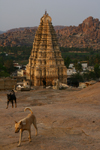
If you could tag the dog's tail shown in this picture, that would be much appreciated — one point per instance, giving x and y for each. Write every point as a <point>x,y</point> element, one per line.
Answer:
<point>28,109</point>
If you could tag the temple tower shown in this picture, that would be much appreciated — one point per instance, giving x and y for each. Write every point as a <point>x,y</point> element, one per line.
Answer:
<point>45,61</point>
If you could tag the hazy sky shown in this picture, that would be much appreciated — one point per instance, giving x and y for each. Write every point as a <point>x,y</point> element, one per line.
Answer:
<point>27,13</point>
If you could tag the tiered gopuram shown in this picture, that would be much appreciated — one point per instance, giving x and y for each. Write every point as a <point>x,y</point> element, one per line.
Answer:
<point>45,61</point>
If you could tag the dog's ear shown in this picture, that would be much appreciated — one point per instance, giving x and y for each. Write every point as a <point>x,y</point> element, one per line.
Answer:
<point>21,123</point>
<point>15,121</point>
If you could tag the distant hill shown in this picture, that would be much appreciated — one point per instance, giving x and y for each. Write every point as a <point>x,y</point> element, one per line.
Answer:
<point>86,34</point>
<point>21,29</point>
<point>1,32</point>
<point>32,28</point>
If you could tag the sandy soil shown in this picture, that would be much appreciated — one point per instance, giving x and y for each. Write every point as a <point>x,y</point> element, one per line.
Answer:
<point>66,119</point>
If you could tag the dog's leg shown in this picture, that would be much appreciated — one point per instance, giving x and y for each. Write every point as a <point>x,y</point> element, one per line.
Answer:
<point>20,138</point>
<point>12,103</point>
<point>7,104</point>
<point>15,103</point>
<point>34,123</point>
<point>29,135</point>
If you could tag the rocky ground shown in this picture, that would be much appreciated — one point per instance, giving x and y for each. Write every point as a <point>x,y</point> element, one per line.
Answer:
<point>66,119</point>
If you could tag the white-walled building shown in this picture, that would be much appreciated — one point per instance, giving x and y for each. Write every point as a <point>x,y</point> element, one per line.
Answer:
<point>84,65</point>
<point>71,65</point>
<point>21,73</point>
<point>71,71</point>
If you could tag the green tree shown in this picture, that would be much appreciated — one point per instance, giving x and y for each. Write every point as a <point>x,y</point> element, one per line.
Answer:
<point>67,61</point>
<point>97,70</point>
<point>3,71</point>
<point>92,75</point>
<point>78,66</point>
<point>1,61</point>
<point>86,76</point>
<point>9,66</point>
<point>97,59</point>
<point>77,77</point>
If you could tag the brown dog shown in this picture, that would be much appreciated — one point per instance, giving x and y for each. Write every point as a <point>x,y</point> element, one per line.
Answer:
<point>25,124</point>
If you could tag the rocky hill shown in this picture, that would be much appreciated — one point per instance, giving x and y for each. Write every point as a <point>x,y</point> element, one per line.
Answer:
<point>86,34</point>
<point>20,36</point>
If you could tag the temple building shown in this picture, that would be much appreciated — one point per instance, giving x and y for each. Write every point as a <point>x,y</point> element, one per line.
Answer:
<point>45,61</point>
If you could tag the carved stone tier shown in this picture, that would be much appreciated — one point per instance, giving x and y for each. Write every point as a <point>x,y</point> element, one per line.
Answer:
<point>45,61</point>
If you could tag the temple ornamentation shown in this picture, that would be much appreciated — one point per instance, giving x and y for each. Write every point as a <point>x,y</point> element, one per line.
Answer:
<point>45,61</point>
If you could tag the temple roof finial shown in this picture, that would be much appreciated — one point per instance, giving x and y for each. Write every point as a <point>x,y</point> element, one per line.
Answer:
<point>45,12</point>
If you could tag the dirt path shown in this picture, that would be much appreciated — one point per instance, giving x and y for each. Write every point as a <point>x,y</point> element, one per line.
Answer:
<point>66,119</point>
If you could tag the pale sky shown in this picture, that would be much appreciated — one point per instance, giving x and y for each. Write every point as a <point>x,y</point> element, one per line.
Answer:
<point>27,13</point>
